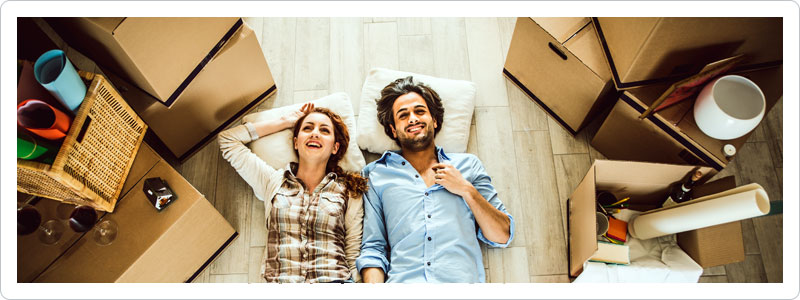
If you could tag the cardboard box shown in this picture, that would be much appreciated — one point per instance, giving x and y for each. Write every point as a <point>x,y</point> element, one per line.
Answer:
<point>151,246</point>
<point>233,82</point>
<point>159,55</point>
<point>647,186</point>
<point>716,245</point>
<point>642,51</point>
<point>671,135</point>
<point>558,62</point>
<point>33,257</point>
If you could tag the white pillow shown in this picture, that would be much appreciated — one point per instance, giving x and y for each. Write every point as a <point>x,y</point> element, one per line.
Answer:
<point>458,99</point>
<point>277,150</point>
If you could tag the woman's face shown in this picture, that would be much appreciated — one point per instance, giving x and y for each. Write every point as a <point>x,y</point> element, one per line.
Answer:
<point>315,142</point>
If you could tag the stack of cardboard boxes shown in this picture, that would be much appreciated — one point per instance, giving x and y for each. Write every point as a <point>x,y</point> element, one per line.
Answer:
<point>577,69</point>
<point>188,78</point>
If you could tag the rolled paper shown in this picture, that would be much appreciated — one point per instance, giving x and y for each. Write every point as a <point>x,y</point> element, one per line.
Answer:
<point>29,148</point>
<point>55,73</point>
<point>42,119</point>
<point>732,205</point>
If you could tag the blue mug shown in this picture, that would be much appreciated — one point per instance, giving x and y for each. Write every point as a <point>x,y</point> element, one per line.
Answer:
<point>55,73</point>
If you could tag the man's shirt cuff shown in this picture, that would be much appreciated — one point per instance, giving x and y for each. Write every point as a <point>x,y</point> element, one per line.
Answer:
<point>498,245</point>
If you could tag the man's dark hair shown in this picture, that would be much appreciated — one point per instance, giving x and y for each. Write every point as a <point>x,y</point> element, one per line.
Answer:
<point>403,86</point>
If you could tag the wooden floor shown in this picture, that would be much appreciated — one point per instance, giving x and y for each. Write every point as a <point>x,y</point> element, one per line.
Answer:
<point>534,163</point>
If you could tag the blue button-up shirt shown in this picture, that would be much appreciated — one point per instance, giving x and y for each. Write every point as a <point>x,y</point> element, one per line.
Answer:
<point>417,233</point>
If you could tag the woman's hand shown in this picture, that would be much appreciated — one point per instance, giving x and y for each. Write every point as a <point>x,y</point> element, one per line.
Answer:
<point>292,117</point>
<point>451,179</point>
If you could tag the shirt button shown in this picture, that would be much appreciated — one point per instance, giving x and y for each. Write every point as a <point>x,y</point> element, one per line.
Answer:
<point>429,263</point>
<point>426,193</point>
<point>416,176</point>
<point>429,216</point>
<point>404,163</point>
<point>429,238</point>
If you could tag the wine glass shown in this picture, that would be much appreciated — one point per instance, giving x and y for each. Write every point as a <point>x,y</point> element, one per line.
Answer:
<point>29,221</point>
<point>83,218</point>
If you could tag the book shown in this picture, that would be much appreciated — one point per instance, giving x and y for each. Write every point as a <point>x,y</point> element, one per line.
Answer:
<point>611,253</point>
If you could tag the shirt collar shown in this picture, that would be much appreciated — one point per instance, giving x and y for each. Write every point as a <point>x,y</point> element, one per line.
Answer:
<point>395,154</point>
<point>291,169</point>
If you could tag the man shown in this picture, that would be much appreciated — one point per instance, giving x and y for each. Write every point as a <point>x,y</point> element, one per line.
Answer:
<point>425,210</point>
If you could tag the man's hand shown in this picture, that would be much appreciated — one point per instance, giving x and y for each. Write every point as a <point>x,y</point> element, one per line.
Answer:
<point>451,179</point>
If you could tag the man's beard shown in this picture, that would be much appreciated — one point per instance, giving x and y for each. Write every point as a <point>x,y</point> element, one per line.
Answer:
<point>418,144</point>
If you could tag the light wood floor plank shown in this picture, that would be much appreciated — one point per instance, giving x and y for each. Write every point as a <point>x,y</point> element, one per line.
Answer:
<point>197,170</point>
<point>495,272</point>
<point>416,54</point>
<point>258,224</point>
<point>233,200</point>
<point>550,279</point>
<point>769,231</point>
<point>450,48</point>
<point>413,26</point>
<point>753,165</point>
<point>506,26</point>
<point>564,142</point>
<point>525,113</point>
<point>279,49</point>
<point>347,58</point>
<point>228,278</point>
<point>312,54</point>
<point>384,19</point>
<point>774,128</point>
<point>254,271</point>
<point>570,170</point>
<point>547,252</point>
<point>750,270</point>
<point>494,128</point>
<point>486,61</point>
<point>749,237</point>
<point>308,96</point>
<point>515,265</point>
<point>380,46</point>
<point>713,279</point>
<point>472,145</point>
<point>718,270</point>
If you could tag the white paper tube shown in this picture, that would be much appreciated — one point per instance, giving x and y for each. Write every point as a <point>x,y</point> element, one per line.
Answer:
<point>733,205</point>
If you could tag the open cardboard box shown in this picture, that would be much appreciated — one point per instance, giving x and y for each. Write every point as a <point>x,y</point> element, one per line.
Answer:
<point>159,55</point>
<point>671,135</point>
<point>172,245</point>
<point>642,51</point>
<point>559,63</point>
<point>647,186</point>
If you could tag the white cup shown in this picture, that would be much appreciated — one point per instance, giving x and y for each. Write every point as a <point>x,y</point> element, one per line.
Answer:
<point>729,107</point>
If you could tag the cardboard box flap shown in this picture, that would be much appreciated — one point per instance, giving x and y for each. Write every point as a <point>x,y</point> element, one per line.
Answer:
<point>647,189</point>
<point>582,225</point>
<point>190,39</point>
<point>642,51</point>
<point>562,28</point>
<point>546,53</point>
<point>106,24</point>
<point>587,48</point>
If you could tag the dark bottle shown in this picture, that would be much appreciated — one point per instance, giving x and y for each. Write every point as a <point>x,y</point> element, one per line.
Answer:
<point>681,192</point>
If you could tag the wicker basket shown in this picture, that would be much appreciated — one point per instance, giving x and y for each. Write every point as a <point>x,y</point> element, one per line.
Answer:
<point>96,155</point>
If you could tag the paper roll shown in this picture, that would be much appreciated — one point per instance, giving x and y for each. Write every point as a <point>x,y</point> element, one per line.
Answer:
<point>732,205</point>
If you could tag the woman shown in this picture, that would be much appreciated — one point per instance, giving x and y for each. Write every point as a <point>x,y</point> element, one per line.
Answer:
<point>314,209</point>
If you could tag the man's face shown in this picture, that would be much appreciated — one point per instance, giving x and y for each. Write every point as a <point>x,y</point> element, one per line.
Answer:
<point>413,124</point>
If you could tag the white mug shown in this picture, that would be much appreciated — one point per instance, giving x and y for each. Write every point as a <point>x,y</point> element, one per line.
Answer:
<point>729,107</point>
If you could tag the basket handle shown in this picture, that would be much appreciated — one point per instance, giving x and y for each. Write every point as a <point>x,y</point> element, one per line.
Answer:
<point>86,75</point>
